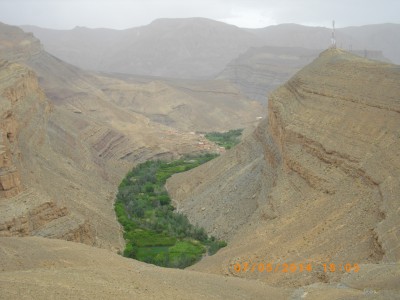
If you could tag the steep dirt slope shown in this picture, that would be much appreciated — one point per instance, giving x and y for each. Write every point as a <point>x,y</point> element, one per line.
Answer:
<point>37,268</point>
<point>317,181</point>
<point>186,105</point>
<point>65,270</point>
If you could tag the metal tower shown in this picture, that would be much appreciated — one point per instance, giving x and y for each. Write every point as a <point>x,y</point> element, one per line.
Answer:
<point>333,38</point>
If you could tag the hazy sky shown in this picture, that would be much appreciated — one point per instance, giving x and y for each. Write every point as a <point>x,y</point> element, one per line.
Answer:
<point>120,14</point>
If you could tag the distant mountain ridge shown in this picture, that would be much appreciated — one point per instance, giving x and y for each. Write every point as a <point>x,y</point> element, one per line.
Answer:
<point>182,48</point>
<point>197,47</point>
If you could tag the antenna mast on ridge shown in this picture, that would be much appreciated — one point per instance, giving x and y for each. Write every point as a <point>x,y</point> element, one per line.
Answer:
<point>333,38</point>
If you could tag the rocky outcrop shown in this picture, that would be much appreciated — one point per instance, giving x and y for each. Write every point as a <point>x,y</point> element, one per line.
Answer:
<point>25,211</point>
<point>15,45</point>
<point>21,217</point>
<point>322,175</point>
<point>10,184</point>
<point>16,84</point>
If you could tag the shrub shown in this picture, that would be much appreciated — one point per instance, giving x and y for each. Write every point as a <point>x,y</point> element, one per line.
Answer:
<point>225,139</point>
<point>164,199</point>
<point>131,250</point>
<point>215,246</point>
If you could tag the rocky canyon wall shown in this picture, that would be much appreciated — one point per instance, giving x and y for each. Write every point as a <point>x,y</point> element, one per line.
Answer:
<point>316,182</point>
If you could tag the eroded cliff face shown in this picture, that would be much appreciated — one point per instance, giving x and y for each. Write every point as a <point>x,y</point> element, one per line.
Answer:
<point>318,181</point>
<point>50,183</point>
<point>26,209</point>
<point>17,83</point>
<point>10,183</point>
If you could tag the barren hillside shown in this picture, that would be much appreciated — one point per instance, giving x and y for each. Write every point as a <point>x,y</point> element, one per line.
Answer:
<point>64,270</point>
<point>185,105</point>
<point>318,181</point>
<point>37,268</point>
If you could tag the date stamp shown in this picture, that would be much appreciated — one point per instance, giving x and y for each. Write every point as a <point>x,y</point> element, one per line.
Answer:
<point>295,267</point>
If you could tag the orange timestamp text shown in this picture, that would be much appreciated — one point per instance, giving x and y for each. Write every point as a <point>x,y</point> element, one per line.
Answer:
<point>294,267</point>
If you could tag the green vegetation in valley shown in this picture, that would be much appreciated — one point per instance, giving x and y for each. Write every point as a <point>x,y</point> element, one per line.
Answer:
<point>153,231</point>
<point>225,139</point>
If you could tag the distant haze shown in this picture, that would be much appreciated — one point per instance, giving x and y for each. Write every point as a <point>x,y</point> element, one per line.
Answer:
<point>121,14</point>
